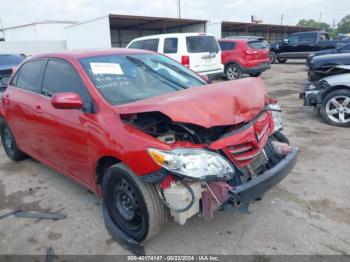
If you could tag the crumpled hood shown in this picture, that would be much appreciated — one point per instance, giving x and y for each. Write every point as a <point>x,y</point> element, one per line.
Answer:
<point>218,104</point>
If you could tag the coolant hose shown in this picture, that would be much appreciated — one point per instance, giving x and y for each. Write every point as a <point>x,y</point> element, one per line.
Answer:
<point>180,210</point>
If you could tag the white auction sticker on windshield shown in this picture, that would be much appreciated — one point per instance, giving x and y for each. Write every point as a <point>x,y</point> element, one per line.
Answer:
<point>106,68</point>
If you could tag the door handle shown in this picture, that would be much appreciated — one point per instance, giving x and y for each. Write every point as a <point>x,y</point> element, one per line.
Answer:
<point>38,109</point>
<point>6,99</point>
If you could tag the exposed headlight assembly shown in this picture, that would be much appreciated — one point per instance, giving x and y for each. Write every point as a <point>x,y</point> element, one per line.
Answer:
<point>277,116</point>
<point>194,163</point>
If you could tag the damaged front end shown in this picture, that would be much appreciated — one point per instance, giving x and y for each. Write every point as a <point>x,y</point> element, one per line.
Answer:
<point>218,167</point>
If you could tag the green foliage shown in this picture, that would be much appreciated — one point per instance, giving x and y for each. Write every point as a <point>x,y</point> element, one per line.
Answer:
<point>344,25</point>
<point>312,23</point>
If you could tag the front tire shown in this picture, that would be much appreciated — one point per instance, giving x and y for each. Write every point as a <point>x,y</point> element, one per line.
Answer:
<point>9,143</point>
<point>232,72</point>
<point>335,108</point>
<point>131,207</point>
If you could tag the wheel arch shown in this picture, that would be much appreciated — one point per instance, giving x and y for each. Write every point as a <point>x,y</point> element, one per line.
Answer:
<point>102,164</point>
<point>334,88</point>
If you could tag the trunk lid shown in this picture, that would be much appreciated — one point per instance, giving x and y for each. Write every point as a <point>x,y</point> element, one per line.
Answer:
<point>219,104</point>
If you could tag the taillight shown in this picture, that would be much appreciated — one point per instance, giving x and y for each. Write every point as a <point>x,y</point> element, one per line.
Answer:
<point>251,51</point>
<point>185,60</point>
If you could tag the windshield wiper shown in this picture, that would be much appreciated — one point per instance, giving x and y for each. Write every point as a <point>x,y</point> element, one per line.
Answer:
<point>155,73</point>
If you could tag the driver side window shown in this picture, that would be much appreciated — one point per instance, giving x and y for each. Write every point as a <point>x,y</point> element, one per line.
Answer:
<point>61,77</point>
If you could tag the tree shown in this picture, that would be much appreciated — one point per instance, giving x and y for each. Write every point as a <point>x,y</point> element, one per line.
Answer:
<point>344,25</point>
<point>312,23</point>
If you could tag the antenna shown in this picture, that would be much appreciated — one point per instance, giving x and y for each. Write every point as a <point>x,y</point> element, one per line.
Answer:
<point>179,8</point>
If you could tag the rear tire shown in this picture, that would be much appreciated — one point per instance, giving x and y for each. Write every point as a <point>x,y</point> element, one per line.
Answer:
<point>335,108</point>
<point>282,60</point>
<point>255,75</point>
<point>273,57</point>
<point>232,72</point>
<point>9,143</point>
<point>131,206</point>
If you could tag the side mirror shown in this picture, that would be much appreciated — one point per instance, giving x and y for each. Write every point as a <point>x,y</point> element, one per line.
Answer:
<point>67,101</point>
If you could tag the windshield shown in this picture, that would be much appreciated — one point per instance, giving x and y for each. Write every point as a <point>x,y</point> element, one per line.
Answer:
<point>10,60</point>
<point>126,78</point>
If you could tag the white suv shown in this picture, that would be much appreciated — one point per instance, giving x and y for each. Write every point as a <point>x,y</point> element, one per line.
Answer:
<point>198,51</point>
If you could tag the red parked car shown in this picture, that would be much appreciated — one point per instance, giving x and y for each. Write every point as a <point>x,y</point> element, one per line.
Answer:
<point>244,56</point>
<point>146,134</point>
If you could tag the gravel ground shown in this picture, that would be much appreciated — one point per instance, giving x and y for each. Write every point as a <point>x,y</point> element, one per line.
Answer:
<point>307,213</point>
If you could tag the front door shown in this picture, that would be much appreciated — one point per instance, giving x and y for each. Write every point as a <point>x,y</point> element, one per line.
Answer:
<point>63,133</point>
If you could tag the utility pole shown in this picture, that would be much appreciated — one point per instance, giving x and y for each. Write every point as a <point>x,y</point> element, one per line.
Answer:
<point>319,19</point>
<point>333,22</point>
<point>282,16</point>
<point>2,29</point>
<point>179,8</point>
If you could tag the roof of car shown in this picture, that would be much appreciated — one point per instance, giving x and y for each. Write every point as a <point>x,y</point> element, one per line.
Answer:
<point>243,40</point>
<point>78,54</point>
<point>170,35</point>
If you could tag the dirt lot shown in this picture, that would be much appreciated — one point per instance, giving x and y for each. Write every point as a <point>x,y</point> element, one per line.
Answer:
<point>308,213</point>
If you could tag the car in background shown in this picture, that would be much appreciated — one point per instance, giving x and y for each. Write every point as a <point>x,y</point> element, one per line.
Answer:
<point>146,134</point>
<point>249,37</point>
<point>301,45</point>
<point>7,63</point>
<point>198,51</point>
<point>244,56</point>
<point>326,65</point>
<point>342,48</point>
<point>331,96</point>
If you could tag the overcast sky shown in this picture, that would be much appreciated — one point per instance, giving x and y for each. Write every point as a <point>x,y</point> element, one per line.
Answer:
<point>15,12</point>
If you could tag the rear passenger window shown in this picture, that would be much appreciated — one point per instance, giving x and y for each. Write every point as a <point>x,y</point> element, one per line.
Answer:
<point>29,77</point>
<point>170,45</point>
<point>151,44</point>
<point>309,37</point>
<point>61,77</point>
<point>227,46</point>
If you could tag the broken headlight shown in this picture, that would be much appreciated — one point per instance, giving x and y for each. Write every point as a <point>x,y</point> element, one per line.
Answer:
<point>193,163</point>
<point>277,116</point>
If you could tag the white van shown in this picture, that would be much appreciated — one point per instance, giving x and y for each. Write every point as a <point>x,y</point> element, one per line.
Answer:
<point>198,51</point>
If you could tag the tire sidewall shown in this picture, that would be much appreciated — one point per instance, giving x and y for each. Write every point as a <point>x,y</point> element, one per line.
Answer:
<point>239,71</point>
<point>272,57</point>
<point>12,154</point>
<point>344,92</point>
<point>111,176</point>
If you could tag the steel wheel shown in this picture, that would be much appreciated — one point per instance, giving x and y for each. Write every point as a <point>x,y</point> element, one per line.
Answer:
<point>132,209</point>
<point>233,72</point>
<point>126,207</point>
<point>338,109</point>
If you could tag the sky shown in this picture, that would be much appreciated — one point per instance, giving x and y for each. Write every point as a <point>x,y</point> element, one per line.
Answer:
<point>16,12</point>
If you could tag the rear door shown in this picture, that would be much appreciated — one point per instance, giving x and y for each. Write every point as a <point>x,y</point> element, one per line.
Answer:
<point>229,52</point>
<point>308,42</point>
<point>19,102</point>
<point>171,48</point>
<point>204,52</point>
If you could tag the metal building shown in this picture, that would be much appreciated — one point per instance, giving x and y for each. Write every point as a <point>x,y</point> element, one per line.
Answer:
<point>270,32</point>
<point>118,30</point>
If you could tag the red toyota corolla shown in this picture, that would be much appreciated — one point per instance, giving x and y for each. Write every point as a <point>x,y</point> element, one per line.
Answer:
<point>146,134</point>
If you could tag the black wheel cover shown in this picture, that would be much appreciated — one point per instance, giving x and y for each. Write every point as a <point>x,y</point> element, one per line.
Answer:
<point>126,206</point>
